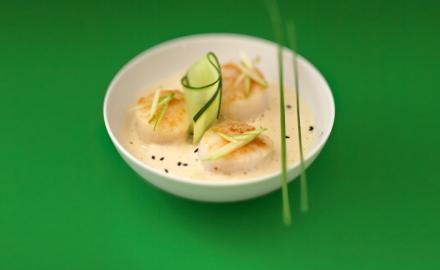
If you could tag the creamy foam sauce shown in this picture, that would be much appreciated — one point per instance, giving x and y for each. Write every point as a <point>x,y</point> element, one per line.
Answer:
<point>167,157</point>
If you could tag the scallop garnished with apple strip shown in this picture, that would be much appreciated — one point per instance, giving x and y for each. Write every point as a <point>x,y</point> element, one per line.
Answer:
<point>244,89</point>
<point>161,117</point>
<point>232,146</point>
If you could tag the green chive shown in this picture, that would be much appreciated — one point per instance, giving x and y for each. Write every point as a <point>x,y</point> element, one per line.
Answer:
<point>275,16</point>
<point>304,202</point>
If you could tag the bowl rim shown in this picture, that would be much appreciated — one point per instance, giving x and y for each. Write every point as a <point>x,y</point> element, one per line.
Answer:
<point>233,182</point>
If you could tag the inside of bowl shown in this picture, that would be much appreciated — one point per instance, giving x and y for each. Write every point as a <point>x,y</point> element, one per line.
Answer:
<point>175,56</point>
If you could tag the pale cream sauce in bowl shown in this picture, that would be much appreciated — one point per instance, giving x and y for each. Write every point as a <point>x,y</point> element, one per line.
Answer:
<point>181,159</point>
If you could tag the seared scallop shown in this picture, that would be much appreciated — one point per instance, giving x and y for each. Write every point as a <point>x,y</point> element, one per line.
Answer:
<point>243,98</point>
<point>249,155</point>
<point>169,121</point>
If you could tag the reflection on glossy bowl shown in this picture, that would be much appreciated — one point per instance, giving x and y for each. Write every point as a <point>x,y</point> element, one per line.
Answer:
<point>172,57</point>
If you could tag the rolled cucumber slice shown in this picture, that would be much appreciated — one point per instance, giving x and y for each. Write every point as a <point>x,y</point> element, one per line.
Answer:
<point>202,85</point>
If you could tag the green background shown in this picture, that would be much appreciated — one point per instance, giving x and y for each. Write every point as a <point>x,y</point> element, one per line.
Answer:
<point>68,201</point>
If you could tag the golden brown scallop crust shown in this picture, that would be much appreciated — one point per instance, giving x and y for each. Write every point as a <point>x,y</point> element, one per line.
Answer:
<point>175,113</point>
<point>232,127</point>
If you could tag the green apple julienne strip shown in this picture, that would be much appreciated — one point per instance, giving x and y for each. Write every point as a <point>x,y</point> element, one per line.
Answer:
<point>241,136</point>
<point>153,108</point>
<point>227,137</point>
<point>235,142</point>
<point>248,86</point>
<point>252,74</point>
<point>224,150</point>
<point>161,103</point>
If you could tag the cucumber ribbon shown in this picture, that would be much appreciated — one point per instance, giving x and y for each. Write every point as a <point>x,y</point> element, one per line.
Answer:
<point>202,85</point>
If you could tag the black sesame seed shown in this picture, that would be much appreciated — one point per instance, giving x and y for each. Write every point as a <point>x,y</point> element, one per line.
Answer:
<point>185,164</point>
<point>287,137</point>
<point>166,170</point>
<point>311,128</point>
<point>288,106</point>
<point>179,163</point>
<point>197,150</point>
<point>162,158</point>
<point>153,157</point>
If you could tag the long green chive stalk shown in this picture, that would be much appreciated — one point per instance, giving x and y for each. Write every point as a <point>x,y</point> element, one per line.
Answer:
<point>286,204</point>
<point>275,16</point>
<point>304,203</point>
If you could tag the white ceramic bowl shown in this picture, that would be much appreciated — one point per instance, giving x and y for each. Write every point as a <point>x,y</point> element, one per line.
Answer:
<point>175,56</point>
